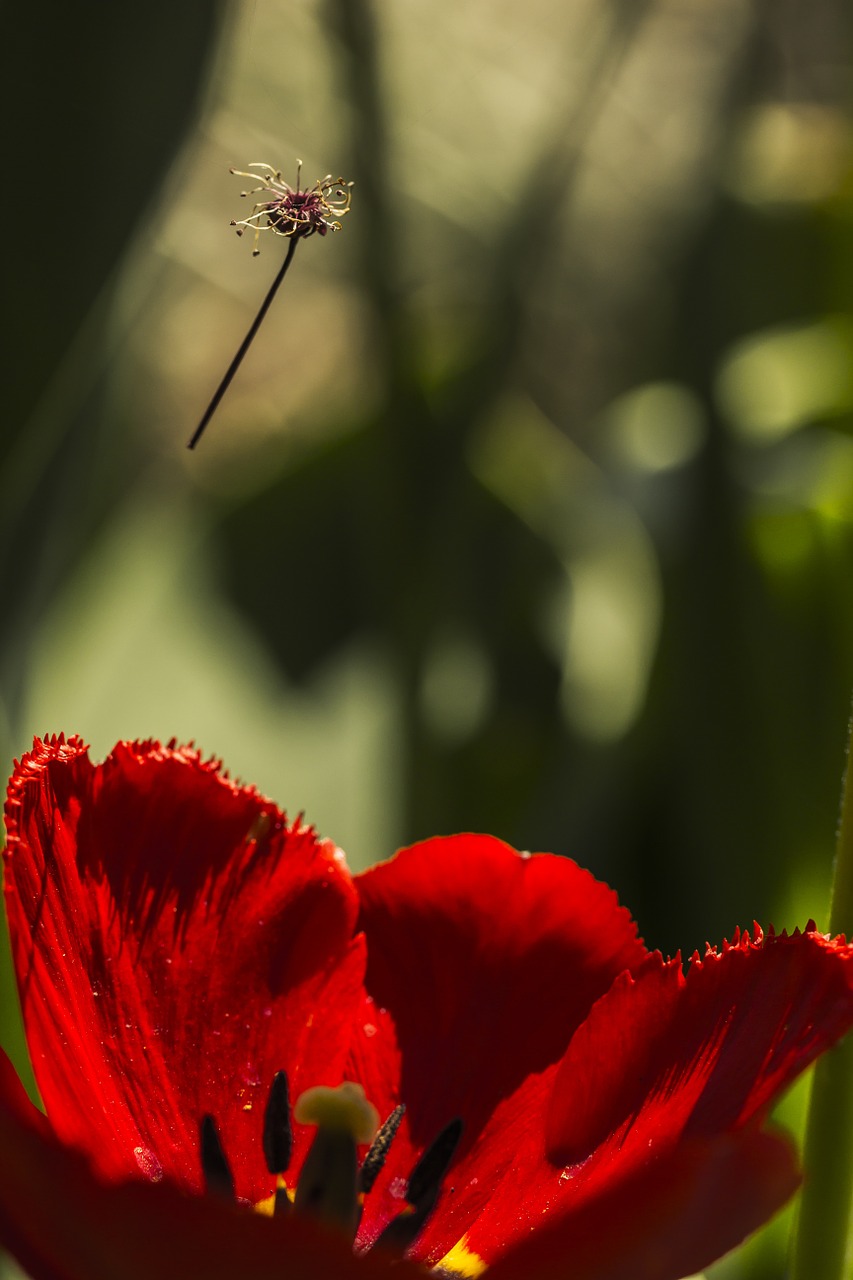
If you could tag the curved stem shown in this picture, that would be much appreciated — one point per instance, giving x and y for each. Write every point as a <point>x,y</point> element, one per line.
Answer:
<point>243,348</point>
<point>820,1245</point>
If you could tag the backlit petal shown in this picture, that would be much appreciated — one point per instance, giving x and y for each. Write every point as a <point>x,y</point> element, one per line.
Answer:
<point>666,1219</point>
<point>176,941</point>
<point>487,960</point>
<point>665,1053</point>
<point>666,1060</point>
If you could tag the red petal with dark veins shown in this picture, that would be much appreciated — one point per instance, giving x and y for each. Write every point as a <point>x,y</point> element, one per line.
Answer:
<point>487,961</point>
<point>374,1058</point>
<point>666,1053</point>
<point>176,941</point>
<point>62,1223</point>
<point>665,1061</point>
<point>669,1219</point>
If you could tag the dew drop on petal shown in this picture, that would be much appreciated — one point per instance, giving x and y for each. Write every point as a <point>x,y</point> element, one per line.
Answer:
<point>148,1163</point>
<point>369,1029</point>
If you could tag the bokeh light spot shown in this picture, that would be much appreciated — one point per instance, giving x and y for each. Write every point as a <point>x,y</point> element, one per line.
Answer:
<point>777,380</point>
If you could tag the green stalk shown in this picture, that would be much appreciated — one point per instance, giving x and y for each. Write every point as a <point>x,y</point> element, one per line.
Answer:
<point>821,1245</point>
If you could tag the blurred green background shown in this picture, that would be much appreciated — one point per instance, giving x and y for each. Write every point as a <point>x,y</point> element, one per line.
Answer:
<point>530,509</point>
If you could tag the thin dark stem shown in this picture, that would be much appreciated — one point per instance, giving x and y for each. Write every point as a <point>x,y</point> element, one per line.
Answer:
<point>244,347</point>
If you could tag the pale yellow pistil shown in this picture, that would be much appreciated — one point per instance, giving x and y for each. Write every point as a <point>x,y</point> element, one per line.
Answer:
<point>343,1109</point>
<point>328,1181</point>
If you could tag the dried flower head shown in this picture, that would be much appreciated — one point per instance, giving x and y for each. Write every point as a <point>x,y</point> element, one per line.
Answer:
<point>291,211</point>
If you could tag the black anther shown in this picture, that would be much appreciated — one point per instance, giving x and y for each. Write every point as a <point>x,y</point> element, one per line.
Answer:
<point>375,1158</point>
<point>278,1135</point>
<point>422,1191</point>
<point>218,1178</point>
<point>426,1177</point>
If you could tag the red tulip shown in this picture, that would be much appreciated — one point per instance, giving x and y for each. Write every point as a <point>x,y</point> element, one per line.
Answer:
<point>179,943</point>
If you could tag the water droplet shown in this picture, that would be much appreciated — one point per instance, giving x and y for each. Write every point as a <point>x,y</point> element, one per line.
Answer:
<point>267,1013</point>
<point>148,1163</point>
<point>369,1029</point>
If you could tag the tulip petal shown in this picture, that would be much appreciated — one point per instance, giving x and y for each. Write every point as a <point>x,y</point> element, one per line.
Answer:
<point>666,1060</point>
<point>177,942</point>
<point>669,1218</point>
<point>467,938</point>
<point>664,1054</point>
<point>487,960</point>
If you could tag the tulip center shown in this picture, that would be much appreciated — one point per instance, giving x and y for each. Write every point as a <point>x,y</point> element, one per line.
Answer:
<point>332,1186</point>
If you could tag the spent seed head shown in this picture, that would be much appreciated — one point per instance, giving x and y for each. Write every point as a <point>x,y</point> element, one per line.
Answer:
<point>291,211</point>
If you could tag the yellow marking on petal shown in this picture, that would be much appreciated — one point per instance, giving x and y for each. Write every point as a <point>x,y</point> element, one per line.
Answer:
<point>462,1261</point>
<point>344,1109</point>
<point>266,1207</point>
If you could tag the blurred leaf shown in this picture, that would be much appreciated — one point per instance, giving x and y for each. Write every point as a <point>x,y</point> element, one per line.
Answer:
<point>116,93</point>
<point>101,101</point>
<point>338,548</point>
